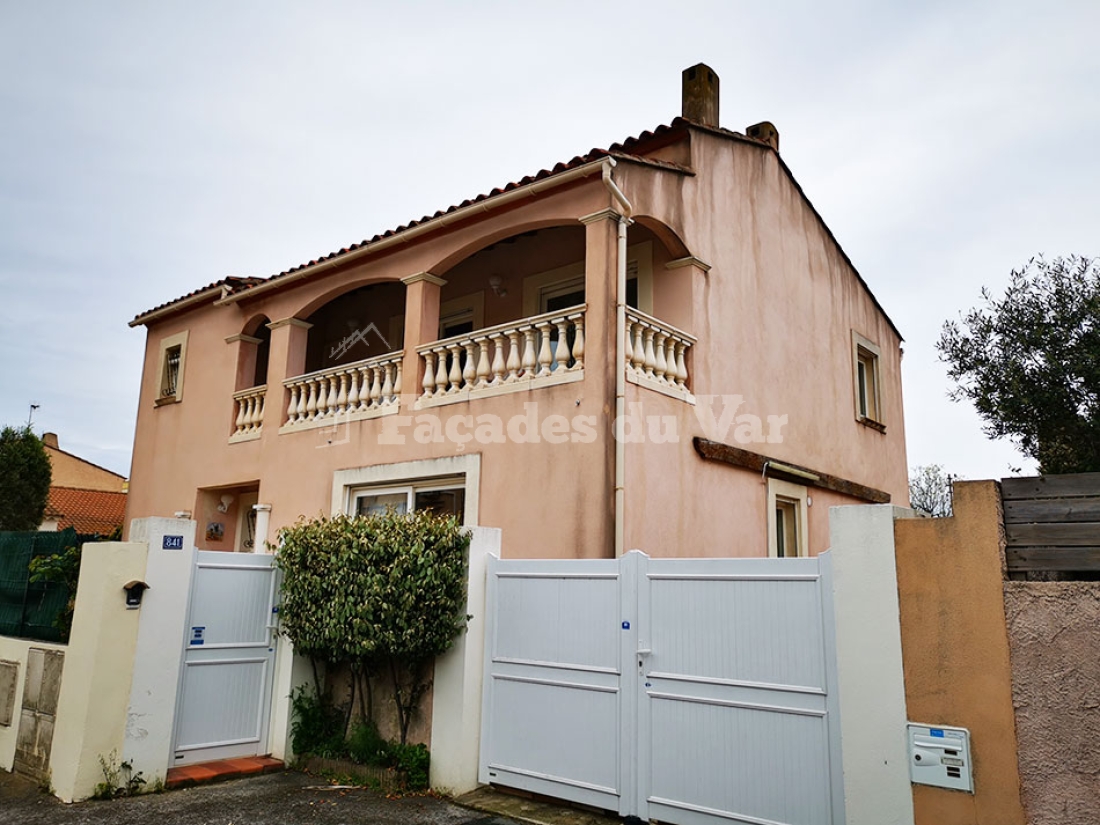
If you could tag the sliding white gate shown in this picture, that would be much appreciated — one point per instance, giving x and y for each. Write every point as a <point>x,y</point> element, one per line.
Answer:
<point>683,690</point>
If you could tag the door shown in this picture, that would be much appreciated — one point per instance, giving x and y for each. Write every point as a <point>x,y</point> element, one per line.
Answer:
<point>226,674</point>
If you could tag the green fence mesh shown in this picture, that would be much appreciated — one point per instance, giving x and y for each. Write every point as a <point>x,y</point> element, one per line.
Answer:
<point>30,609</point>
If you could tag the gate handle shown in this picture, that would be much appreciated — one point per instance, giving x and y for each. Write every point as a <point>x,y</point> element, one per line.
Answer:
<point>644,651</point>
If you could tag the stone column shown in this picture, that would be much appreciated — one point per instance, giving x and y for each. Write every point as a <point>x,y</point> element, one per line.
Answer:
<point>288,359</point>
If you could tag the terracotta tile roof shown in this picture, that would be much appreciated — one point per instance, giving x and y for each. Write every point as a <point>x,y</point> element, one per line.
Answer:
<point>89,511</point>
<point>230,282</point>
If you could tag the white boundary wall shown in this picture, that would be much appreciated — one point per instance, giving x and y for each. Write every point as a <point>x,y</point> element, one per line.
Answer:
<point>869,667</point>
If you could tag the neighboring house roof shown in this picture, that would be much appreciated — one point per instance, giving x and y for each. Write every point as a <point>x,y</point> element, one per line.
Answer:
<point>68,470</point>
<point>235,288</point>
<point>88,511</point>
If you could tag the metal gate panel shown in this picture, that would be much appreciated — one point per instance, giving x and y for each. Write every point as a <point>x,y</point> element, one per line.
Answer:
<point>691,691</point>
<point>226,674</point>
<point>734,722</point>
<point>552,691</point>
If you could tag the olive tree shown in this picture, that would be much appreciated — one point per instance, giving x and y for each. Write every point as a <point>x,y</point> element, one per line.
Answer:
<point>1030,362</point>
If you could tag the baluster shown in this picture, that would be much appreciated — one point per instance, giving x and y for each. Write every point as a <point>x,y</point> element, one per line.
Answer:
<point>469,369</point>
<point>397,383</point>
<point>639,347</point>
<point>483,368</point>
<point>387,385</point>
<point>513,356</point>
<point>311,404</point>
<point>561,351</point>
<point>441,372</point>
<point>429,374</point>
<point>375,387</point>
<point>498,358</point>
<point>578,343</point>
<point>240,416</point>
<point>333,390</point>
<point>670,359</point>
<point>650,358</point>
<point>628,344</point>
<point>258,414</point>
<point>292,407</point>
<point>303,398</point>
<point>322,397</point>
<point>342,394</point>
<point>455,376</point>
<point>251,419</point>
<point>660,364</point>
<point>528,362</point>
<point>681,366</point>
<point>353,391</point>
<point>545,358</point>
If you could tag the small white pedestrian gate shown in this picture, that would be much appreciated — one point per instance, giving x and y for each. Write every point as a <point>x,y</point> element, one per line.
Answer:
<point>691,691</point>
<point>229,651</point>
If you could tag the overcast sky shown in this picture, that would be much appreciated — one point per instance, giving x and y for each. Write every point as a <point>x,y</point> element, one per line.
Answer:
<point>147,149</point>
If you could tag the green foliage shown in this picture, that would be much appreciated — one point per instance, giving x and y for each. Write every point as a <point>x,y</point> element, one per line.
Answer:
<point>372,591</point>
<point>119,779</point>
<point>25,475</point>
<point>930,490</point>
<point>413,761</point>
<point>1030,362</point>
<point>61,568</point>
<point>318,727</point>
<point>367,747</point>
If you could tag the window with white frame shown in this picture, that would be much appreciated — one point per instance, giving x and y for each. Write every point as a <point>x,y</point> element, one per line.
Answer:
<point>440,496</point>
<point>787,519</point>
<point>866,380</point>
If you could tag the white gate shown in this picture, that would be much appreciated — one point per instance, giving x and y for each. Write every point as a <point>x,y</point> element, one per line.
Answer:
<point>689,691</point>
<point>225,680</point>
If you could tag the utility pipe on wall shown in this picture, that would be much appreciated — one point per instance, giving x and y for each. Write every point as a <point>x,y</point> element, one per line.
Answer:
<point>620,366</point>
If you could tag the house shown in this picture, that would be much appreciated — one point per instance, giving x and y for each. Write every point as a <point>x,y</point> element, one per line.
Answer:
<point>82,495</point>
<point>657,345</point>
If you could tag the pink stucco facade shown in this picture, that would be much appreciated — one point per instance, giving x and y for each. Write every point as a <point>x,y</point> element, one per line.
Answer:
<point>723,246</point>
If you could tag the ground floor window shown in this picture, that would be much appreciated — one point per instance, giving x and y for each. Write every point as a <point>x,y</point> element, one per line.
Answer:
<point>787,519</point>
<point>443,497</point>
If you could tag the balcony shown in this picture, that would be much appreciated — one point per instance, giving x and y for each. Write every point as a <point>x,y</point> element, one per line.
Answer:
<point>656,355</point>
<point>350,392</point>
<point>534,352</point>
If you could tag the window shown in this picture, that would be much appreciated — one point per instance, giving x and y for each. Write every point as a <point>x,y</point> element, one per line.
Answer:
<point>865,362</point>
<point>443,485</point>
<point>787,519</point>
<point>173,350</point>
<point>442,497</point>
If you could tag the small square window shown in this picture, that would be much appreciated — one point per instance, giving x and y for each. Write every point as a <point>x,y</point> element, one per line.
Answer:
<point>868,396</point>
<point>173,350</point>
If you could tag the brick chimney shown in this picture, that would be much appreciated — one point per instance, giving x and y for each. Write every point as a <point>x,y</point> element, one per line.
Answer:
<point>700,95</point>
<point>50,440</point>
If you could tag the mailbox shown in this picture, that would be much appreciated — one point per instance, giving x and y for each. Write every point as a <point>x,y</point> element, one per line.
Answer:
<point>940,756</point>
<point>134,591</point>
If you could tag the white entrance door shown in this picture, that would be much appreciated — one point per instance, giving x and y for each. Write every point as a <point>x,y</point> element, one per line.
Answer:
<point>225,683</point>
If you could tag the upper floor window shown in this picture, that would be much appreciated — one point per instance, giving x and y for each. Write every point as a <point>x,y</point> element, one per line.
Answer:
<point>173,351</point>
<point>865,362</point>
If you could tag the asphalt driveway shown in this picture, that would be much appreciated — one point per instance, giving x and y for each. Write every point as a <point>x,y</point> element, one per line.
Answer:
<point>273,799</point>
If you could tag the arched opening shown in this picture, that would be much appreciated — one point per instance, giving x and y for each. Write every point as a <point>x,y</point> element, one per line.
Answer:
<point>263,353</point>
<point>254,353</point>
<point>364,323</point>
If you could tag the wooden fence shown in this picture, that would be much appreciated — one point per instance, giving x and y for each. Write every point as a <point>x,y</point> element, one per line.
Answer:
<point>1052,523</point>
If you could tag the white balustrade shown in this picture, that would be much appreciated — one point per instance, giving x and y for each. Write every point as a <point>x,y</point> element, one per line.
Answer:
<point>350,390</point>
<point>250,413</point>
<point>551,344</point>
<point>656,352</point>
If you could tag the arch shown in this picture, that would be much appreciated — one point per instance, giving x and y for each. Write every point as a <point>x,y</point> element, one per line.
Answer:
<point>253,353</point>
<point>483,242</point>
<point>665,234</point>
<point>355,323</point>
<point>344,286</point>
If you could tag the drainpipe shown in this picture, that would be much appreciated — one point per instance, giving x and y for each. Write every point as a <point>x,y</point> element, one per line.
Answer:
<point>620,367</point>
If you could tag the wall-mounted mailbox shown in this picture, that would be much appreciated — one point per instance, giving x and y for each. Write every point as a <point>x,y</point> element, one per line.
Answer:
<point>134,591</point>
<point>940,756</point>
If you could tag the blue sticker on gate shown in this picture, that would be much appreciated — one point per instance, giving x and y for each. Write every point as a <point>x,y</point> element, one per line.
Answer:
<point>626,625</point>
<point>935,732</point>
<point>197,634</point>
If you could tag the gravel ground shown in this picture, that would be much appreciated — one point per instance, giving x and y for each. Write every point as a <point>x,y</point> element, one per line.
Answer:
<point>273,799</point>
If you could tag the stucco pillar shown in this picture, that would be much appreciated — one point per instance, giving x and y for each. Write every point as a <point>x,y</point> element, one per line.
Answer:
<point>263,523</point>
<point>686,309</point>
<point>421,326</point>
<point>601,258</point>
<point>288,359</point>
